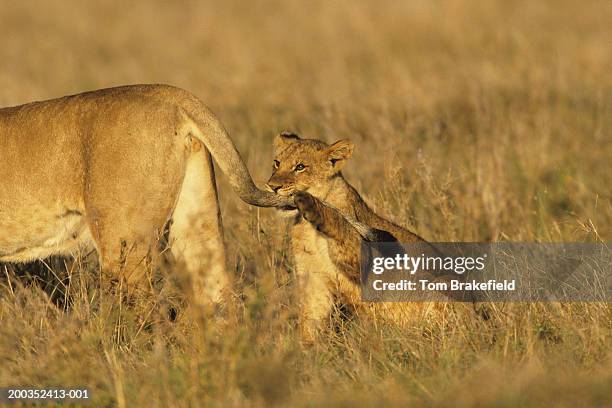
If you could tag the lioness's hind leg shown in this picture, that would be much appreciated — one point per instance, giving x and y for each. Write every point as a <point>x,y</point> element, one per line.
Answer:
<point>126,261</point>
<point>196,234</point>
<point>124,254</point>
<point>126,250</point>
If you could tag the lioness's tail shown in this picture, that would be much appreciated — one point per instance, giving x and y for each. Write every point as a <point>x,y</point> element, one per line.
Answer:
<point>209,130</point>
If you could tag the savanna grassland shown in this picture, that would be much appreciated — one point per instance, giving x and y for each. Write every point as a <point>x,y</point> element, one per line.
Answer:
<point>473,120</point>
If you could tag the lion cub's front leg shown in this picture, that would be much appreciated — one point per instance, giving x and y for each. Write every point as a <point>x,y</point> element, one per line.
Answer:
<point>344,241</point>
<point>327,220</point>
<point>327,254</point>
<point>314,272</point>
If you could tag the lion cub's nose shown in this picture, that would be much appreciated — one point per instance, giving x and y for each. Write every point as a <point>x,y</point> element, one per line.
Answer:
<point>274,186</point>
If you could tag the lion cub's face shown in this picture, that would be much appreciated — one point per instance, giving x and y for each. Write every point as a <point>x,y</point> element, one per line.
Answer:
<point>306,164</point>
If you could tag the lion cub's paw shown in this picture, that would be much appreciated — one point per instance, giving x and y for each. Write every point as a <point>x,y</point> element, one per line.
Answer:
<point>309,208</point>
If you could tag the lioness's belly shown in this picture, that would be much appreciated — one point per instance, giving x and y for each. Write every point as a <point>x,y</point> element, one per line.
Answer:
<point>34,232</point>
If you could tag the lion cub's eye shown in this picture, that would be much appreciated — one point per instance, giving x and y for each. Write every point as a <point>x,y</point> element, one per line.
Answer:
<point>276,164</point>
<point>300,167</point>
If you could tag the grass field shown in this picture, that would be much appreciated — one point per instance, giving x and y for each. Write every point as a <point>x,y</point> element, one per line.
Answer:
<point>473,120</point>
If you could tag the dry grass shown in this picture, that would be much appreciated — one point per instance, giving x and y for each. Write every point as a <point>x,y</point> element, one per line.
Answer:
<point>474,120</point>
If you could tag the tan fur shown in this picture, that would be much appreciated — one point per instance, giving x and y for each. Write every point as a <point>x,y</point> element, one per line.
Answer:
<point>110,168</point>
<point>329,224</point>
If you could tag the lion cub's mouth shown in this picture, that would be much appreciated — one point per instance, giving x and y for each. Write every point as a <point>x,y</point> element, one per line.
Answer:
<point>287,211</point>
<point>289,207</point>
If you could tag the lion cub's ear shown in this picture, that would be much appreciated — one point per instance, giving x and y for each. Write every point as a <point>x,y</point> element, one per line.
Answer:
<point>339,152</point>
<point>284,139</point>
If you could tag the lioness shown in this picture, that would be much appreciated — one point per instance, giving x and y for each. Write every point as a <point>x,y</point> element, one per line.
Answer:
<point>329,224</point>
<point>111,168</point>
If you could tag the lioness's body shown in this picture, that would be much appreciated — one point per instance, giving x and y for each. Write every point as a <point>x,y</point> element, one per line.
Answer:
<point>330,224</point>
<point>109,168</point>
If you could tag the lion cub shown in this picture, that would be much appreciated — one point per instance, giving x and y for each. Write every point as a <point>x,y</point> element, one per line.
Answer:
<point>329,224</point>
